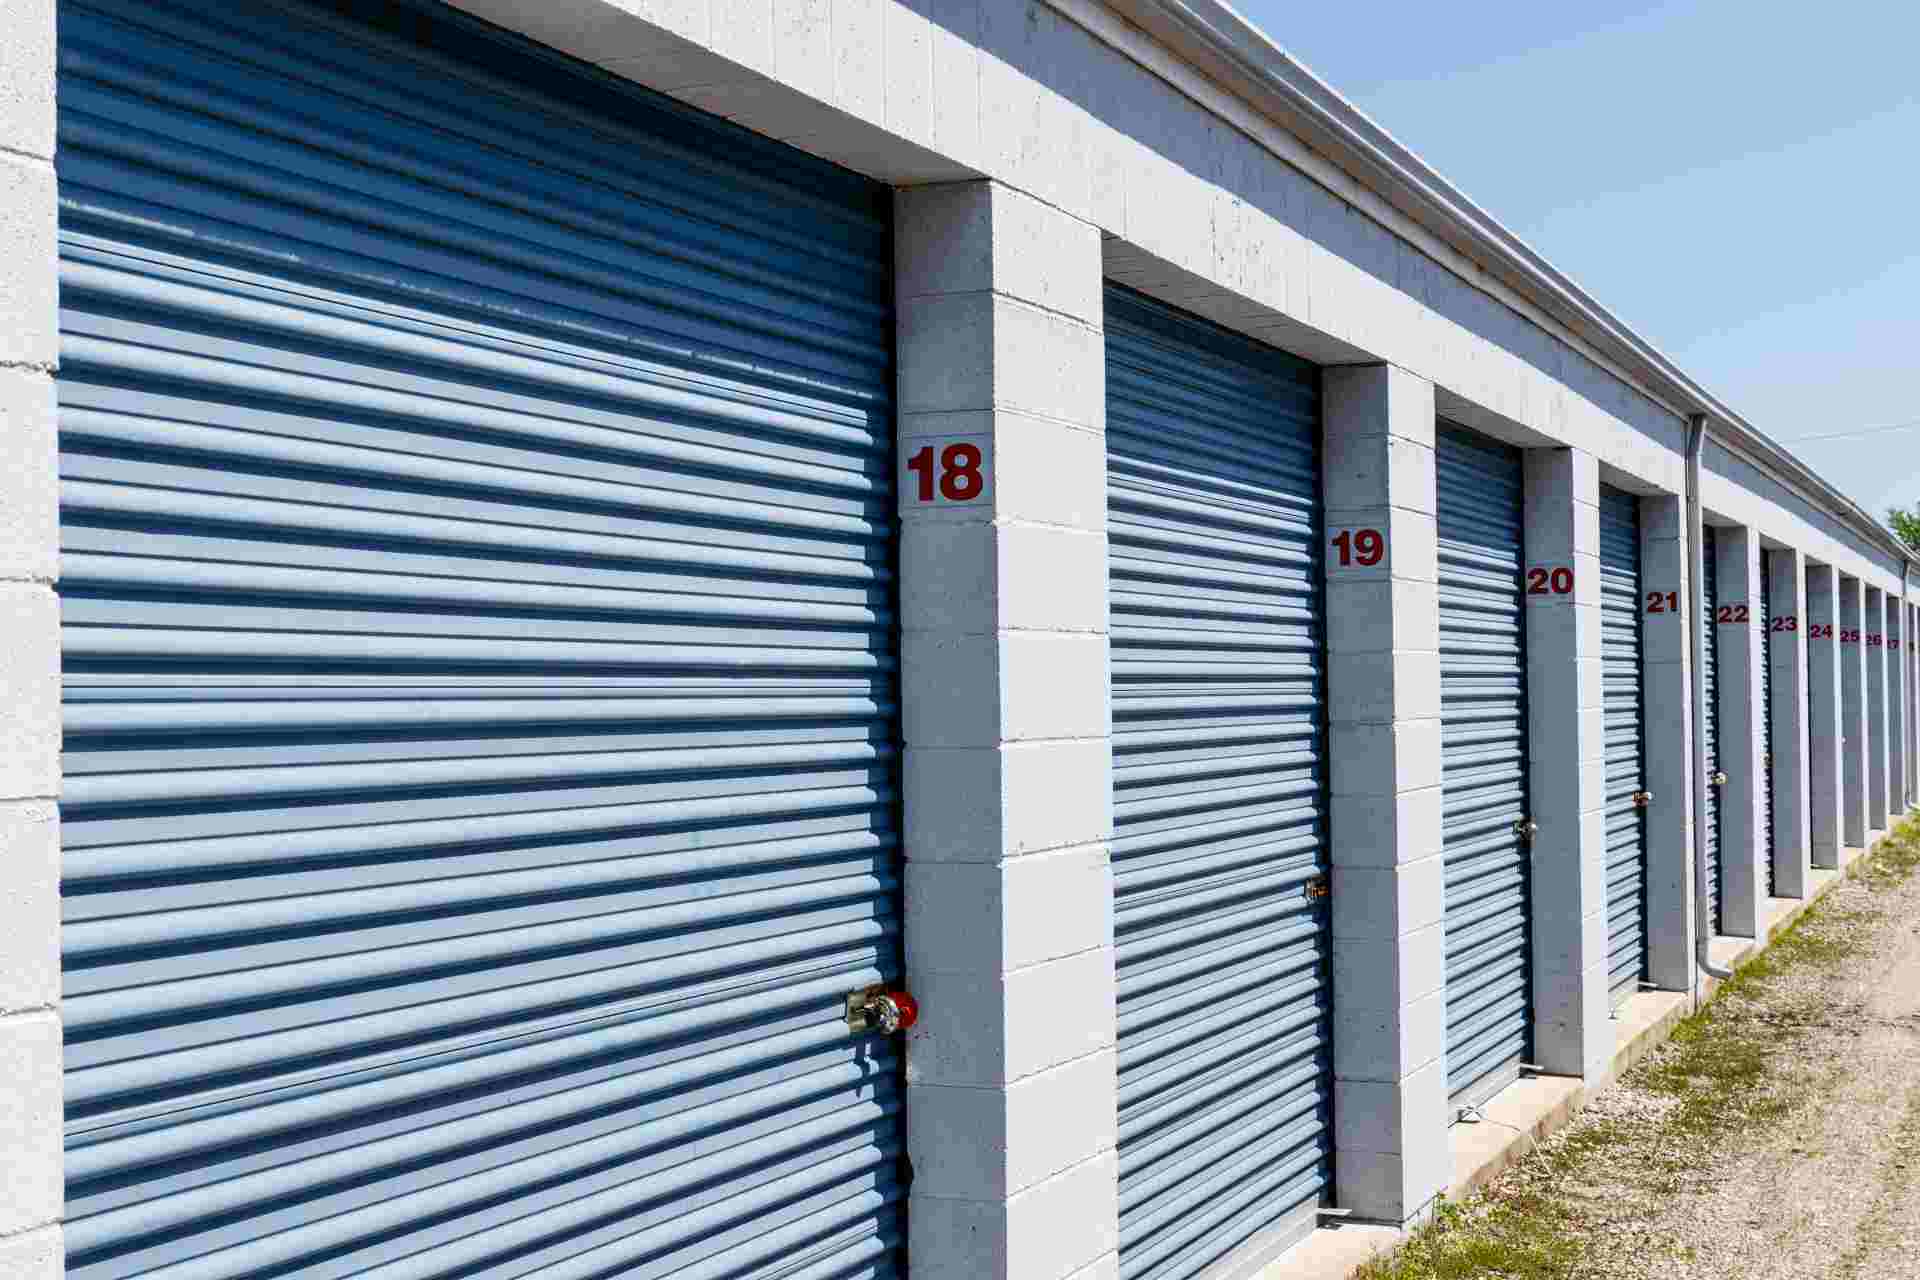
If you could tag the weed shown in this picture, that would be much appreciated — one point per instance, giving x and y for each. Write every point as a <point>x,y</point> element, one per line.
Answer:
<point>1726,1069</point>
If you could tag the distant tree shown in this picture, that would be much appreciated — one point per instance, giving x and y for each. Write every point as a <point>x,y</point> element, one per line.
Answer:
<point>1906,523</point>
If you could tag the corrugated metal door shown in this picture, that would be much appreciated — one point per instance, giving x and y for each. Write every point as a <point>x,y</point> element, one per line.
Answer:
<point>1483,718</point>
<point>1710,685</point>
<point>479,647</point>
<point>1626,761</point>
<point>1213,495</point>
<point>1766,715</point>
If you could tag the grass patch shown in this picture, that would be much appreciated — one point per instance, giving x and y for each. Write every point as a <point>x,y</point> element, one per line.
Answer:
<point>1727,1069</point>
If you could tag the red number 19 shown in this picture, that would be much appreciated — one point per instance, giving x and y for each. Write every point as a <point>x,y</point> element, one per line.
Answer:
<point>1366,547</point>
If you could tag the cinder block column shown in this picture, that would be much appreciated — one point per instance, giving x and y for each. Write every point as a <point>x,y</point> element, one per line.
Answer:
<point>31,1190</point>
<point>1011,1084</point>
<point>1743,873</point>
<point>1873,645</point>
<point>1853,711</point>
<point>1573,1029</point>
<point>1826,738</point>
<point>1389,939</point>
<point>1666,640</point>
<point>1792,824</point>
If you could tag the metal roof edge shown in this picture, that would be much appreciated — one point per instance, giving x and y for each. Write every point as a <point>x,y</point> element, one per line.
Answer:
<point>1213,35</point>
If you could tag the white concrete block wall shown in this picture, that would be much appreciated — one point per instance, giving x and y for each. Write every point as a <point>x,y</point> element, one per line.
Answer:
<point>1388,871</point>
<point>1873,646</point>
<point>31,1185</point>
<point>1573,1030</point>
<point>1743,874</point>
<point>1666,641</point>
<point>1826,736</point>
<point>1011,1077</point>
<point>1792,825</point>
<point>1853,710</point>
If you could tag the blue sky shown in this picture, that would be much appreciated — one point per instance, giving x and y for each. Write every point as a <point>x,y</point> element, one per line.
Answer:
<point>1740,182</point>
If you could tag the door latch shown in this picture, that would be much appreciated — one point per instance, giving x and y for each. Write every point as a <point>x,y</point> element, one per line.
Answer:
<point>1641,799</point>
<point>1526,828</point>
<point>1318,888</point>
<point>1718,779</point>
<point>879,1009</point>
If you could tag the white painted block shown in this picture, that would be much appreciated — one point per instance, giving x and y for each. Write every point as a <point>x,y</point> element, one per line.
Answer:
<point>988,1144</point>
<point>30,1122</point>
<point>1388,1042</point>
<point>1386,829</point>
<point>1369,759</point>
<point>1379,687</point>
<point>1387,902</point>
<point>29,906</point>
<point>29,259</point>
<point>1379,973</point>
<point>30,691</point>
<point>1401,1117</point>
<point>1053,686</point>
<point>29,479</point>
<point>1364,470</point>
<point>989,1029</point>
<point>1022,1237</point>
<point>997,917</point>
<point>27,79</point>
<point>36,1255</point>
<point>1383,616</point>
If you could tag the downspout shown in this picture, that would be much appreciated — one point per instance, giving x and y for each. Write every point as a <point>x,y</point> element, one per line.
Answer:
<point>1697,574</point>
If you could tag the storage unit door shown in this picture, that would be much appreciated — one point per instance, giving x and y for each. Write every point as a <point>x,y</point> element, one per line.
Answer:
<point>1626,771</point>
<point>1219,793</point>
<point>479,656</point>
<point>1709,683</point>
<point>1766,721</point>
<point>1483,725</point>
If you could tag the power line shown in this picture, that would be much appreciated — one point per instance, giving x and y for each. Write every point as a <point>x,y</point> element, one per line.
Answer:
<point>1863,431</point>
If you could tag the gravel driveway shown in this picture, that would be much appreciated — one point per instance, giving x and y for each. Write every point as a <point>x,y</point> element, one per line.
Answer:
<point>1775,1137</point>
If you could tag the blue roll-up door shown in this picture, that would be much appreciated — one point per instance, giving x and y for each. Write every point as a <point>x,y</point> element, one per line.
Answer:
<point>1710,686</point>
<point>1483,721</point>
<point>1213,496</point>
<point>1626,768</point>
<point>1761,611</point>
<point>479,660</point>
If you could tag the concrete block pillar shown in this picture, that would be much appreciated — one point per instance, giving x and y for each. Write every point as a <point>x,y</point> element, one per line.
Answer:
<point>1011,1077</point>
<point>1389,938</point>
<point>1853,713</point>
<point>1873,647</point>
<point>1743,873</point>
<point>1896,707</point>
<point>30,1034</point>
<point>1573,1028</point>
<point>1826,737</point>
<point>1666,639</point>
<point>1792,822</point>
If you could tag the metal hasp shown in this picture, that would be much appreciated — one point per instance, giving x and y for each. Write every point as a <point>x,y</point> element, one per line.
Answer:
<point>1526,828</point>
<point>1318,888</point>
<point>1719,778</point>
<point>879,1009</point>
<point>1641,799</point>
